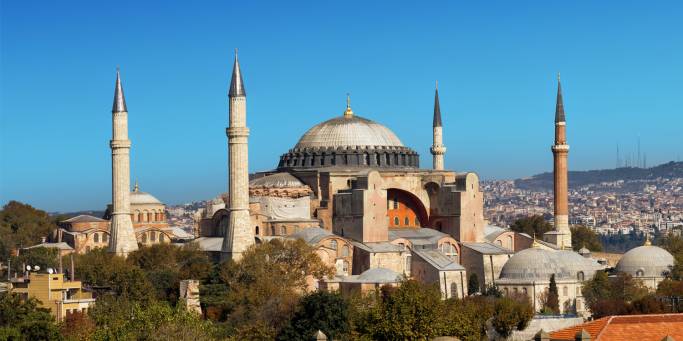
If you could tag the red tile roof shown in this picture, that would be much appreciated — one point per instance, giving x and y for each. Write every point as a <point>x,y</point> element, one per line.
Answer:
<point>627,327</point>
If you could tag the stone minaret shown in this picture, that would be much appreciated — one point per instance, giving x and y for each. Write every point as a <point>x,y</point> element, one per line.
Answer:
<point>560,150</point>
<point>438,149</point>
<point>239,235</point>
<point>122,239</point>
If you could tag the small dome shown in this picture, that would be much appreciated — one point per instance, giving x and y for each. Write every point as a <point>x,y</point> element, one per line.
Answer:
<point>584,251</point>
<point>379,275</point>
<point>137,197</point>
<point>646,261</point>
<point>348,131</point>
<point>277,180</point>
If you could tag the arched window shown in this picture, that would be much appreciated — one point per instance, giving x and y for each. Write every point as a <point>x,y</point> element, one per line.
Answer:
<point>580,276</point>
<point>515,291</point>
<point>333,244</point>
<point>105,237</point>
<point>140,217</point>
<point>149,216</point>
<point>506,291</point>
<point>153,236</point>
<point>345,251</point>
<point>96,237</point>
<point>565,291</point>
<point>454,290</point>
<point>144,238</point>
<point>640,273</point>
<point>524,291</point>
<point>396,221</point>
<point>499,242</point>
<point>283,230</point>
<point>409,260</point>
<point>272,230</point>
<point>407,221</point>
<point>256,231</point>
<point>161,237</point>
<point>417,222</point>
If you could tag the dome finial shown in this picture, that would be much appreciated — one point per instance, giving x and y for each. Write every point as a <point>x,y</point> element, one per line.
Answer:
<point>348,113</point>
<point>535,244</point>
<point>136,188</point>
<point>647,239</point>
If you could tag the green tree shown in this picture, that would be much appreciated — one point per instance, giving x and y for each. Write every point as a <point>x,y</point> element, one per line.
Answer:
<point>472,284</point>
<point>674,244</point>
<point>119,318</point>
<point>615,296</point>
<point>510,315</point>
<point>320,310</point>
<point>25,318</point>
<point>583,236</point>
<point>21,226</point>
<point>534,226</point>
<point>553,301</point>
<point>466,319</point>
<point>40,256</point>
<point>412,312</point>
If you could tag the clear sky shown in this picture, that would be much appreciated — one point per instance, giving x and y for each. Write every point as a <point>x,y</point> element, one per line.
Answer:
<point>496,63</point>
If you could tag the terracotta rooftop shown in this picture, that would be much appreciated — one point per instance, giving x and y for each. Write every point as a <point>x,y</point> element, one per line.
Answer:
<point>627,327</point>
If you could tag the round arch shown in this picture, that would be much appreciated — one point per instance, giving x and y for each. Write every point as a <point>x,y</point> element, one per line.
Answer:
<point>405,209</point>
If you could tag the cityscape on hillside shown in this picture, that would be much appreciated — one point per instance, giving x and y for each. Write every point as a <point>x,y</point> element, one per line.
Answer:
<point>609,202</point>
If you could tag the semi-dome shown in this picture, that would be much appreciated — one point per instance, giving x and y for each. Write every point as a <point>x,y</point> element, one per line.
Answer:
<point>277,180</point>
<point>646,261</point>
<point>349,141</point>
<point>348,131</point>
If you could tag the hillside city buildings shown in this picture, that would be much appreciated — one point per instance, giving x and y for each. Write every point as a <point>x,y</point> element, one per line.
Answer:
<point>607,207</point>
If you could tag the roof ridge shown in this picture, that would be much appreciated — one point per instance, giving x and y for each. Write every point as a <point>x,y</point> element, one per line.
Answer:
<point>609,321</point>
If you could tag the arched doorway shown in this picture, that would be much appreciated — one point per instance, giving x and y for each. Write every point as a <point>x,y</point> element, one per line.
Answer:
<point>405,210</point>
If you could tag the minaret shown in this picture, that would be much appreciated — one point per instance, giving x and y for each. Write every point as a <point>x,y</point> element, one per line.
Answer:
<point>239,235</point>
<point>122,239</point>
<point>560,150</point>
<point>438,149</point>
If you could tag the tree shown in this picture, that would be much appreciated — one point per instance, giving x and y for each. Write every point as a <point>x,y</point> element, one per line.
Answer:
<point>510,314</point>
<point>615,296</point>
<point>328,312</point>
<point>467,319</point>
<point>119,318</point>
<point>21,226</point>
<point>25,318</point>
<point>534,226</point>
<point>40,256</point>
<point>472,284</point>
<point>582,236</point>
<point>674,244</point>
<point>412,312</point>
<point>552,304</point>
<point>263,288</point>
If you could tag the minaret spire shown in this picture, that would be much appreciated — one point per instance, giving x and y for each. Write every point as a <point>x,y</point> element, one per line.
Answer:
<point>236,83</point>
<point>119,98</point>
<point>239,234</point>
<point>122,239</point>
<point>559,105</point>
<point>438,149</point>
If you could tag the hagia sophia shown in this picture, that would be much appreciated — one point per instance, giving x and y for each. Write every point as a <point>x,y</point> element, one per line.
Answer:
<point>352,190</point>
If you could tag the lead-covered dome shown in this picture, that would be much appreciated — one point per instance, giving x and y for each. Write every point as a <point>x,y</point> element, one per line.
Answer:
<point>348,131</point>
<point>349,141</point>
<point>646,261</point>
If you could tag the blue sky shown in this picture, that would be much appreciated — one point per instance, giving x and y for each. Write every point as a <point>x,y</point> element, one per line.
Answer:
<point>496,63</point>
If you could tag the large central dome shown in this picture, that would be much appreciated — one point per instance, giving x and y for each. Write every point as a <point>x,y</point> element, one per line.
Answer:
<point>348,131</point>
<point>349,141</point>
